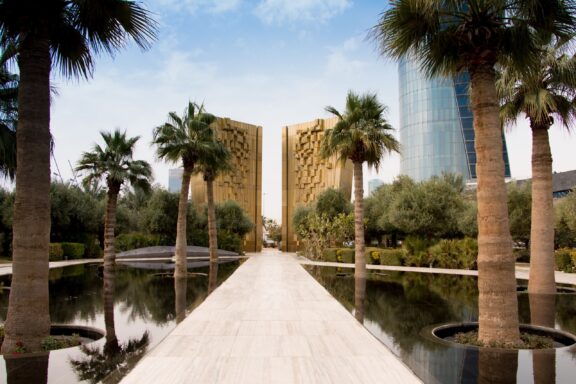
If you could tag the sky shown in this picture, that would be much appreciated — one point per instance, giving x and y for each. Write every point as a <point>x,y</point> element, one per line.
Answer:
<point>270,63</point>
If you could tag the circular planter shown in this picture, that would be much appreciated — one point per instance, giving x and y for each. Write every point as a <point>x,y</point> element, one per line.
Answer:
<point>445,334</point>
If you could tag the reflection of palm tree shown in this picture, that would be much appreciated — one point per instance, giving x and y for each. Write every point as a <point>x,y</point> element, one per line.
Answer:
<point>359,298</point>
<point>542,312</point>
<point>33,369</point>
<point>98,364</point>
<point>180,284</point>
<point>497,367</point>
<point>111,346</point>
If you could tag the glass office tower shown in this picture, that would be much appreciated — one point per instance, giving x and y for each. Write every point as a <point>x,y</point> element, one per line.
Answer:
<point>436,129</point>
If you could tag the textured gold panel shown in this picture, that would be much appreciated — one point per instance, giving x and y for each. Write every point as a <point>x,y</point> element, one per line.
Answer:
<point>244,183</point>
<point>305,174</point>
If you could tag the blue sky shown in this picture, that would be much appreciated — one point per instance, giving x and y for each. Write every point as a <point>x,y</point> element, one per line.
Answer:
<point>266,62</point>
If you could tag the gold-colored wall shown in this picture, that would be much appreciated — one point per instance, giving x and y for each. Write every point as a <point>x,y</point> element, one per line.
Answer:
<point>305,174</point>
<point>244,183</point>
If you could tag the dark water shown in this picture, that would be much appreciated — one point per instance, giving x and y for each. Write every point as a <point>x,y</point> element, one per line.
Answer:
<point>399,309</point>
<point>136,307</point>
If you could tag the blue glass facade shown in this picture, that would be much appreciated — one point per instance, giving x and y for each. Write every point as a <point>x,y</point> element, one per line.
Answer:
<point>436,125</point>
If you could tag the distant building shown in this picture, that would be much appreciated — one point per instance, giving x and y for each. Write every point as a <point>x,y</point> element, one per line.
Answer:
<point>305,174</point>
<point>562,183</point>
<point>436,125</point>
<point>373,185</point>
<point>244,183</point>
<point>174,180</point>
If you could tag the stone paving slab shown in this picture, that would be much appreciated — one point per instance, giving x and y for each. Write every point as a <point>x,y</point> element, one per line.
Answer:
<point>270,322</point>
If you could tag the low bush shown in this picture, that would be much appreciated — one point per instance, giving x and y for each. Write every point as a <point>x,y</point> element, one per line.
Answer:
<point>522,255</point>
<point>391,256</point>
<point>454,253</point>
<point>345,255</point>
<point>230,241</point>
<point>329,254</point>
<point>134,240</point>
<point>73,250</point>
<point>566,260</point>
<point>55,252</point>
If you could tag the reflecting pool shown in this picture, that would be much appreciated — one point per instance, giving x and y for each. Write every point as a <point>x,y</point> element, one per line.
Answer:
<point>136,307</point>
<point>400,308</point>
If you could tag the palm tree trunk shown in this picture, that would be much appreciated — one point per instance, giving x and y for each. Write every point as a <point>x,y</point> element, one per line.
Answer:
<point>111,347</point>
<point>212,234</point>
<point>180,269</point>
<point>28,318</point>
<point>109,225</point>
<point>360,261</point>
<point>542,262</point>
<point>497,302</point>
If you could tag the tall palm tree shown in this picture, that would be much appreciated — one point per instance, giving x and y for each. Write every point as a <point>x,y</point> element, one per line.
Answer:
<point>213,163</point>
<point>8,114</point>
<point>361,135</point>
<point>186,139</point>
<point>62,35</point>
<point>544,93</point>
<point>115,164</point>
<point>449,37</point>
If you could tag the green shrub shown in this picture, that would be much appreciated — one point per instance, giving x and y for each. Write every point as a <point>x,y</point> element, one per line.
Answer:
<point>134,240</point>
<point>372,255</point>
<point>415,245</point>
<point>55,252</point>
<point>565,260</point>
<point>73,250</point>
<point>329,254</point>
<point>345,255</point>
<point>230,241</point>
<point>391,257</point>
<point>454,253</point>
<point>92,248</point>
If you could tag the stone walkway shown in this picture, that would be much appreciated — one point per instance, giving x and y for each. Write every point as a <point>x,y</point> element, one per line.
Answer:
<point>270,322</point>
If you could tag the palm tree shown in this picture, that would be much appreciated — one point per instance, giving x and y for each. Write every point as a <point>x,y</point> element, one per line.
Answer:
<point>63,35</point>
<point>115,164</point>
<point>449,37</point>
<point>214,162</point>
<point>361,135</point>
<point>8,114</point>
<point>543,93</point>
<point>187,139</point>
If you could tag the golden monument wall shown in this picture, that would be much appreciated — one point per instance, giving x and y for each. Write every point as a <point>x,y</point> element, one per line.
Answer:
<point>305,174</point>
<point>244,183</point>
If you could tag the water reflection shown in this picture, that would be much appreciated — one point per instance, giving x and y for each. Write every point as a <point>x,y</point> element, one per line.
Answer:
<point>359,298</point>
<point>399,307</point>
<point>543,312</point>
<point>212,277</point>
<point>137,308</point>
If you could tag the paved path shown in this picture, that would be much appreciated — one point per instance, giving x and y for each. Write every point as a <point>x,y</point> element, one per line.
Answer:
<point>270,322</point>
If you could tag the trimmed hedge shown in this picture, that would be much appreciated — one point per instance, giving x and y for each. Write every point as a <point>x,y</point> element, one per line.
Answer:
<point>55,252</point>
<point>73,250</point>
<point>372,255</point>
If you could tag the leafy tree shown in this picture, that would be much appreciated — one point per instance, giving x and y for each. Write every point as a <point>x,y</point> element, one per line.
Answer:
<point>300,218</point>
<point>186,139</point>
<point>62,35</point>
<point>361,135</point>
<point>215,161</point>
<point>115,164</point>
<point>545,93</point>
<point>453,37</point>
<point>519,200</point>
<point>231,217</point>
<point>565,228</point>
<point>332,202</point>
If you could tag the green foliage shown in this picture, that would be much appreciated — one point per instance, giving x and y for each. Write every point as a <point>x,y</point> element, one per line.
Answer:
<point>55,252</point>
<point>231,217</point>
<point>345,255</point>
<point>73,250</point>
<point>74,213</point>
<point>6,213</point>
<point>391,256</point>
<point>565,229</point>
<point>128,241</point>
<point>566,260</point>
<point>520,208</point>
<point>52,343</point>
<point>415,245</point>
<point>230,241</point>
<point>468,219</point>
<point>451,253</point>
<point>329,254</point>
<point>300,219</point>
<point>332,202</point>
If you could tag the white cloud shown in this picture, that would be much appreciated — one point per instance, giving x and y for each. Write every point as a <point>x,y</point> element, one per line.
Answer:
<point>344,59</point>
<point>281,11</point>
<point>207,6</point>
